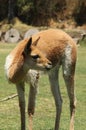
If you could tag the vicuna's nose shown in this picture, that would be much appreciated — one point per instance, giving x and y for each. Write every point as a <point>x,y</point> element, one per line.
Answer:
<point>48,65</point>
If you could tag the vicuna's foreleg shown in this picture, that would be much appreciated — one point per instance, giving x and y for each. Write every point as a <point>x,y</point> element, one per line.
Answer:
<point>69,80</point>
<point>21,96</point>
<point>34,76</point>
<point>31,104</point>
<point>53,77</point>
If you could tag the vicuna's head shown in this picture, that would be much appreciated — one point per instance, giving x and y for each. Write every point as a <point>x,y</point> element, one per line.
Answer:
<point>24,57</point>
<point>34,58</point>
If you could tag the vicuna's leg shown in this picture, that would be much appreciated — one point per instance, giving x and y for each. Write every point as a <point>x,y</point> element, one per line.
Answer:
<point>21,96</point>
<point>53,77</point>
<point>68,74</point>
<point>33,76</point>
<point>31,104</point>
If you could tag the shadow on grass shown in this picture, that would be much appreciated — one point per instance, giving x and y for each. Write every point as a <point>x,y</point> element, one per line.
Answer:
<point>52,129</point>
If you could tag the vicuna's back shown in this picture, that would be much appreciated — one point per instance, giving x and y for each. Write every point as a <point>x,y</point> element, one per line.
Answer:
<point>53,43</point>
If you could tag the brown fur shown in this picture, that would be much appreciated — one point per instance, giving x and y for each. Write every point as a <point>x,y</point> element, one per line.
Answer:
<point>45,51</point>
<point>16,72</point>
<point>52,44</point>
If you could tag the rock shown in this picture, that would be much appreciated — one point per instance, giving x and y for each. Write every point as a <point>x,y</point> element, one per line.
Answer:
<point>12,36</point>
<point>30,32</point>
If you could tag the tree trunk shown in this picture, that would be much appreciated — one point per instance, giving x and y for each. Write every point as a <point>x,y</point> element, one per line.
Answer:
<point>10,10</point>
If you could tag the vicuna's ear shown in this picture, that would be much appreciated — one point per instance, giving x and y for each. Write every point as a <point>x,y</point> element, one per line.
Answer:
<point>35,42</point>
<point>27,47</point>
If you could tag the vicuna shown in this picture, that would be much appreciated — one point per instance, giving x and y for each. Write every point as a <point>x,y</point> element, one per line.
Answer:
<point>45,51</point>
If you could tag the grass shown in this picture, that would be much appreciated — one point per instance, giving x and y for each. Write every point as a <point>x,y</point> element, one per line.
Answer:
<point>45,109</point>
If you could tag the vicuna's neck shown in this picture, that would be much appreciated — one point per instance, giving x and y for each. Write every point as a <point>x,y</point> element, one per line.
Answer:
<point>15,69</point>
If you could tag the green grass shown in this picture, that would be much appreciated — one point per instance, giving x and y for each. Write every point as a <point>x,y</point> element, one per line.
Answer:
<point>45,109</point>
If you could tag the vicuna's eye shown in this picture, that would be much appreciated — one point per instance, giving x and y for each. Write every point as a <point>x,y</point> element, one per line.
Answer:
<point>35,56</point>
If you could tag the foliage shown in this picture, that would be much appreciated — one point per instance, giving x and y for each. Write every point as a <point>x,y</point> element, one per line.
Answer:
<point>3,9</point>
<point>79,12</point>
<point>40,12</point>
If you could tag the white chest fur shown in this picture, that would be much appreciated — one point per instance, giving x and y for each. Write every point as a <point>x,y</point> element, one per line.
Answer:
<point>8,63</point>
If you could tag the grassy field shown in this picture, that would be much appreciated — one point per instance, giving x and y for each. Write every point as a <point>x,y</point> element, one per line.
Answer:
<point>45,108</point>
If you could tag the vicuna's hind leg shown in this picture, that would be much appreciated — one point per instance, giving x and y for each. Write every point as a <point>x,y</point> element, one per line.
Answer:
<point>53,77</point>
<point>68,74</point>
<point>21,96</point>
